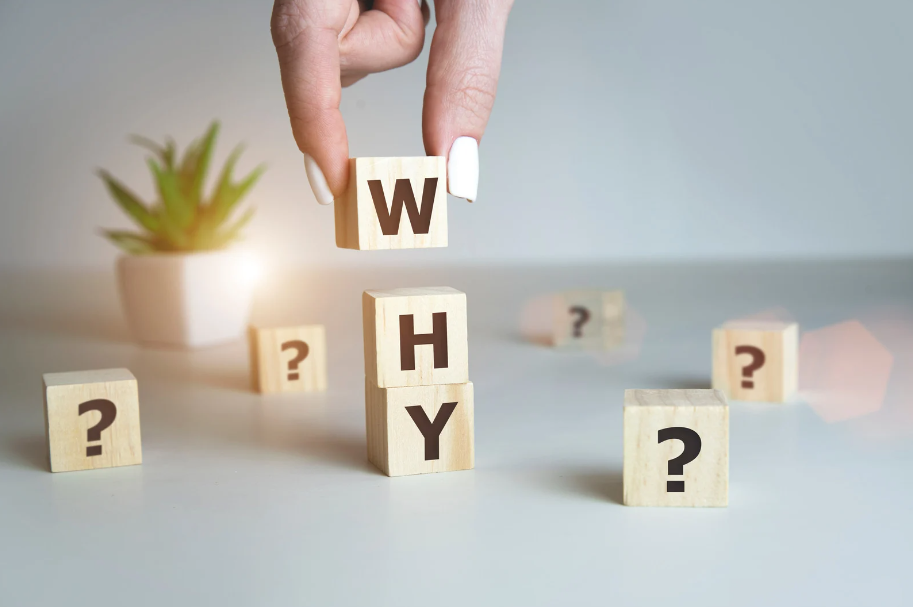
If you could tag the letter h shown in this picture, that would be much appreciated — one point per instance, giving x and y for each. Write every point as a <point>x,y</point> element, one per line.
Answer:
<point>408,340</point>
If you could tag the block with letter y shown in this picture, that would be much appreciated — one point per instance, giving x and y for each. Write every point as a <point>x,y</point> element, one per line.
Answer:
<point>393,203</point>
<point>420,429</point>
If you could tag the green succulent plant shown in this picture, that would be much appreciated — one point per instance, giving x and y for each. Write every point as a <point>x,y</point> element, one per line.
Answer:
<point>182,218</point>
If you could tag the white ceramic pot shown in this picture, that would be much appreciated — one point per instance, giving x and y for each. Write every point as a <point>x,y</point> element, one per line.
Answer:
<point>189,300</point>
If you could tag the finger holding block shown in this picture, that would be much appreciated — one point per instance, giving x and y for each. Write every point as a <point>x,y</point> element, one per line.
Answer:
<point>756,360</point>
<point>92,420</point>
<point>676,448</point>
<point>420,429</point>
<point>415,337</point>
<point>589,319</point>
<point>393,203</point>
<point>288,359</point>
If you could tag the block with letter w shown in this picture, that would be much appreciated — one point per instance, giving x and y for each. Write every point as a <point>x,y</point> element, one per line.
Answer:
<point>370,214</point>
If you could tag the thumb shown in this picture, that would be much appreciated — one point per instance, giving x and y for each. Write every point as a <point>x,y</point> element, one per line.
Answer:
<point>463,69</point>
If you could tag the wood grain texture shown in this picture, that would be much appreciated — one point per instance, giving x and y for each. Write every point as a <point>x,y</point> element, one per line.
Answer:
<point>358,225</point>
<point>382,310</point>
<point>604,328</point>
<point>777,380</point>
<point>397,446</point>
<point>67,430</point>
<point>646,460</point>
<point>271,367</point>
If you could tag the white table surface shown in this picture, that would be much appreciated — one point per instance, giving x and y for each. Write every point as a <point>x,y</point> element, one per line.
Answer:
<point>269,500</point>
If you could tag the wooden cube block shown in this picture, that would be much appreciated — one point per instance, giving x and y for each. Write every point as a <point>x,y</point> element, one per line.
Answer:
<point>589,319</point>
<point>676,448</point>
<point>91,419</point>
<point>756,360</point>
<point>393,203</point>
<point>288,359</point>
<point>415,337</point>
<point>420,429</point>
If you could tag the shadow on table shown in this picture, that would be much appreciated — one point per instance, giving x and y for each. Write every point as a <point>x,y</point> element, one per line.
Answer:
<point>340,450</point>
<point>678,382</point>
<point>25,452</point>
<point>296,427</point>
<point>223,366</point>
<point>593,483</point>
<point>227,379</point>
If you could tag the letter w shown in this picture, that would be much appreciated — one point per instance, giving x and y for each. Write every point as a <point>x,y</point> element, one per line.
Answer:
<point>402,194</point>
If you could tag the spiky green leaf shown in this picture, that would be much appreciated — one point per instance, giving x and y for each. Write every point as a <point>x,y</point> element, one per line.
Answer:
<point>231,233</point>
<point>204,155</point>
<point>222,206</point>
<point>131,242</point>
<point>180,213</point>
<point>224,184</point>
<point>173,238</point>
<point>145,142</point>
<point>169,154</point>
<point>182,219</point>
<point>129,202</point>
<point>164,153</point>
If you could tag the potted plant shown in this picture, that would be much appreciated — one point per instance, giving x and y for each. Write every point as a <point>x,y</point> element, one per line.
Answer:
<point>180,283</point>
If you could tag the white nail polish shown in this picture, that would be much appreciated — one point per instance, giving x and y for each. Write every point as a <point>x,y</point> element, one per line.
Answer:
<point>463,168</point>
<point>318,181</point>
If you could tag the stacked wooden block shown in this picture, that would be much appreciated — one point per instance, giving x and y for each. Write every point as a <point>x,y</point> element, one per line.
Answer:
<point>418,397</point>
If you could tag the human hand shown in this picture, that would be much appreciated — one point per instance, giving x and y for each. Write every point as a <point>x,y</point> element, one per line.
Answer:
<point>324,45</point>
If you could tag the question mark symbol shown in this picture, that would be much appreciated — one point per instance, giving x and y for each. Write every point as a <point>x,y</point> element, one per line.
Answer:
<point>757,361</point>
<point>302,349</point>
<point>583,317</point>
<point>692,442</point>
<point>108,414</point>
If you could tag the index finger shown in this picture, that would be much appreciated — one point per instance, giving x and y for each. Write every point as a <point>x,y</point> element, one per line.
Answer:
<point>306,35</point>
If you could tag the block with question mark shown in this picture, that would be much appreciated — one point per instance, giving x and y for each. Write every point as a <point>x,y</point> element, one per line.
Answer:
<point>676,448</point>
<point>756,360</point>
<point>91,419</point>
<point>420,429</point>
<point>415,337</point>
<point>288,359</point>
<point>393,203</point>
<point>589,319</point>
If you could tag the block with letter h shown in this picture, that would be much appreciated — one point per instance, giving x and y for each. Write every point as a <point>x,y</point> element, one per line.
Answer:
<point>370,214</point>
<point>418,397</point>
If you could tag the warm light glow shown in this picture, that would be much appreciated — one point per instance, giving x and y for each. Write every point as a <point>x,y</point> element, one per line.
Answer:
<point>844,371</point>
<point>250,270</point>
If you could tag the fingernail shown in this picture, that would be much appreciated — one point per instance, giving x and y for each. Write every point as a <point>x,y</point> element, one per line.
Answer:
<point>463,168</point>
<point>318,181</point>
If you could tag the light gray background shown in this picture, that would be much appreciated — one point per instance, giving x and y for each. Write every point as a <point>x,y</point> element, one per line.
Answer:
<point>623,129</point>
<point>641,131</point>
